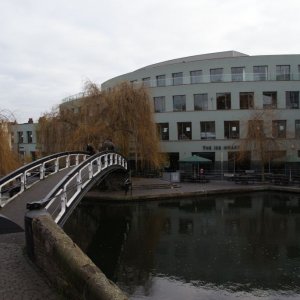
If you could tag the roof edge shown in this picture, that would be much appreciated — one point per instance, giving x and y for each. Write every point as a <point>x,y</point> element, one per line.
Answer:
<point>207,56</point>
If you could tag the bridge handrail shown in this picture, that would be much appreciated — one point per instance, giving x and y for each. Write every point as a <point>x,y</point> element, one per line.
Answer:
<point>23,173</point>
<point>76,181</point>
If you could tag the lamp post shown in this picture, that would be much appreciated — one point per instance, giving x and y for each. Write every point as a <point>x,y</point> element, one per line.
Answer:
<point>292,148</point>
<point>222,165</point>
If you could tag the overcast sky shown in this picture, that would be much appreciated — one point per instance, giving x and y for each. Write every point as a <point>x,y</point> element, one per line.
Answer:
<point>48,49</point>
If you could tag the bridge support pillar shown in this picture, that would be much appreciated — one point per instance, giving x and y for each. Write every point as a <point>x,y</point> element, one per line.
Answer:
<point>29,216</point>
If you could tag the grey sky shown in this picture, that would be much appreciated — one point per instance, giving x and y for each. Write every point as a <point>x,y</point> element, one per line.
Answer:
<point>48,49</point>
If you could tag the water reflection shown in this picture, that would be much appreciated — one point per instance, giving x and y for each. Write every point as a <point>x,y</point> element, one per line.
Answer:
<point>244,246</point>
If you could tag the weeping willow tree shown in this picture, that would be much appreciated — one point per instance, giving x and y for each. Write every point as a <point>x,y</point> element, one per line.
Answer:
<point>122,114</point>
<point>261,140</point>
<point>8,159</point>
<point>130,115</point>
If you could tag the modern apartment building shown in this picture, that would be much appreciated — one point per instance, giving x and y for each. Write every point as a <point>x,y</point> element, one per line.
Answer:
<point>203,104</point>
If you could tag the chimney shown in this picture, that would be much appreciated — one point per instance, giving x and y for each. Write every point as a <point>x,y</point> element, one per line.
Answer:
<point>30,121</point>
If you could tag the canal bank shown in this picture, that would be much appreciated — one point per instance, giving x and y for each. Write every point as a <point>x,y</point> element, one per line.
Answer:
<point>156,188</point>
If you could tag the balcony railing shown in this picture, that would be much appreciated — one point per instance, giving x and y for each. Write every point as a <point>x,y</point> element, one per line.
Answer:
<point>219,78</point>
<point>216,78</point>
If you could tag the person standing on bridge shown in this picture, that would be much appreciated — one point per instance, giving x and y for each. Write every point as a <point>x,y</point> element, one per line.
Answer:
<point>90,149</point>
<point>108,145</point>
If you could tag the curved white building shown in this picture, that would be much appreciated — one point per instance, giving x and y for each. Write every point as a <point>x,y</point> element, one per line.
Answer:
<point>202,103</point>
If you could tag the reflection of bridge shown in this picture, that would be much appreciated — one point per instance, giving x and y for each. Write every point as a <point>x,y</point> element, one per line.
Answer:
<point>73,174</point>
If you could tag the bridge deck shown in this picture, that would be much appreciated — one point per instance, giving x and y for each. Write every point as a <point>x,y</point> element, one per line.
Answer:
<point>16,209</point>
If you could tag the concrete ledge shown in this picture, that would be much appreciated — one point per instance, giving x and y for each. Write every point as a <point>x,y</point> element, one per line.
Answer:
<point>175,193</point>
<point>66,266</point>
<point>188,192</point>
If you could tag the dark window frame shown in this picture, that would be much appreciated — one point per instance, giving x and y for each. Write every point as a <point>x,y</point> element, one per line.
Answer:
<point>196,76</point>
<point>278,132</point>
<point>283,72</point>
<point>216,75</point>
<point>20,137</point>
<point>161,80</point>
<point>163,131</point>
<point>260,73</point>
<point>223,101</point>
<point>246,100</point>
<point>158,102</point>
<point>273,103</point>
<point>147,81</point>
<point>177,78</point>
<point>203,102</point>
<point>179,106</point>
<point>236,75</point>
<point>292,99</point>
<point>29,137</point>
<point>232,129</point>
<point>207,130</point>
<point>184,131</point>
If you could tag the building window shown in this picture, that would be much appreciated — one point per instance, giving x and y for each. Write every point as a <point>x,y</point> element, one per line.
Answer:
<point>184,130</point>
<point>260,73</point>
<point>163,131</point>
<point>216,75</point>
<point>246,100</point>
<point>161,80</point>
<point>269,99</point>
<point>200,102</point>
<point>292,99</point>
<point>283,72</point>
<point>223,101</point>
<point>29,137</point>
<point>196,76</point>
<point>279,128</point>
<point>179,103</point>
<point>177,78</point>
<point>297,129</point>
<point>147,82</point>
<point>208,130</point>
<point>12,137</point>
<point>20,137</point>
<point>159,104</point>
<point>231,129</point>
<point>133,82</point>
<point>238,73</point>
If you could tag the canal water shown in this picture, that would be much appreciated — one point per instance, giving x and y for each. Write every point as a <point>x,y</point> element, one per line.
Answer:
<point>244,246</point>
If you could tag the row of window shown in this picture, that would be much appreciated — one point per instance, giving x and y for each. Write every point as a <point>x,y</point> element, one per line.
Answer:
<point>21,139</point>
<point>231,129</point>
<point>260,73</point>
<point>223,101</point>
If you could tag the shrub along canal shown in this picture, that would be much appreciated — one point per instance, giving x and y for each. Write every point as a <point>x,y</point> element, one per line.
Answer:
<point>243,246</point>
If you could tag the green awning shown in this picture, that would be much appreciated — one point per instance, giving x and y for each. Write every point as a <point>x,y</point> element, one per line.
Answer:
<point>195,159</point>
<point>292,158</point>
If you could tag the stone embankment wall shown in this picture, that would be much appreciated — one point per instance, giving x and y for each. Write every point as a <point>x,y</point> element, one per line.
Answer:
<point>67,267</point>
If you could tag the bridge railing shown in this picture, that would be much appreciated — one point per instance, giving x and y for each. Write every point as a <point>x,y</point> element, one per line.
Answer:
<point>23,178</point>
<point>64,195</point>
